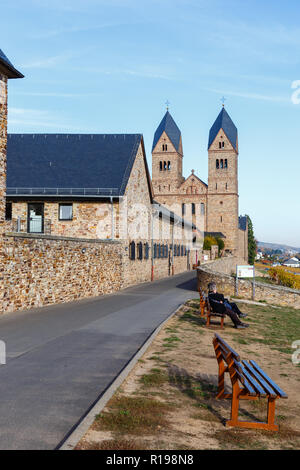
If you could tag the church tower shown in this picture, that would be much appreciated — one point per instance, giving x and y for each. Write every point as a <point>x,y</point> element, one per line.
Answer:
<point>167,157</point>
<point>222,198</point>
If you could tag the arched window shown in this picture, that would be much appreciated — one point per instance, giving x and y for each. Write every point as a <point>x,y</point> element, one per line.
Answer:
<point>221,163</point>
<point>165,147</point>
<point>193,208</point>
<point>220,145</point>
<point>140,250</point>
<point>183,209</point>
<point>217,164</point>
<point>146,251</point>
<point>169,165</point>
<point>165,166</point>
<point>160,166</point>
<point>226,186</point>
<point>132,251</point>
<point>225,164</point>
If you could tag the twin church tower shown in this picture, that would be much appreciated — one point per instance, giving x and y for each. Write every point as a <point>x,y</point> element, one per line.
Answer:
<point>217,201</point>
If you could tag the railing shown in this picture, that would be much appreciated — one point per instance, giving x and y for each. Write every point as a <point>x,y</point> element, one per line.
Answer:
<point>21,225</point>
<point>62,191</point>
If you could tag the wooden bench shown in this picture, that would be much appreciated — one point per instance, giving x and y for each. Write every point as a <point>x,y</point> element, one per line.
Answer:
<point>249,382</point>
<point>207,311</point>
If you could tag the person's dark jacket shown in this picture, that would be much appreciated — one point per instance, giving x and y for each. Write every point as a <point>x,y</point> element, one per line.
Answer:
<point>215,302</point>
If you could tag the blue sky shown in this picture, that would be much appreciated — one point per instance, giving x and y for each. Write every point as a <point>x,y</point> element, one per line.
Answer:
<point>108,66</point>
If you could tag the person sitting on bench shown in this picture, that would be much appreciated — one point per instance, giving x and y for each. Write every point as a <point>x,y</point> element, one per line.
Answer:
<point>221,305</point>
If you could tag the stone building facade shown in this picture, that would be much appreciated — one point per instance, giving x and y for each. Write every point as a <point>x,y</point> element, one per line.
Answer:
<point>3,139</point>
<point>216,202</point>
<point>116,237</point>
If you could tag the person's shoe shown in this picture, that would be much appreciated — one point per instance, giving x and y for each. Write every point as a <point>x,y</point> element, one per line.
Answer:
<point>242,326</point>
<point>243,315</point>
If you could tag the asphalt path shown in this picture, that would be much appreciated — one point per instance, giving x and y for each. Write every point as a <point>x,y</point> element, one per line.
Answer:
<point>61,358</point>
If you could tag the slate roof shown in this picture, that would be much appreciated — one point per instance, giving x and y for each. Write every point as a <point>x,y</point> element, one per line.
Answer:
<point>291,261</point>
<point>214,234</point>
<point>242,222</point>
<point>170,215</point>
<point>8,66</point>
<point>224,122</point>
<point>98,161</point>
<point>170,127</point>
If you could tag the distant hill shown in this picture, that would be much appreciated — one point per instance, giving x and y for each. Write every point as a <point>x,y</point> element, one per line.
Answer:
<point>278,246</point>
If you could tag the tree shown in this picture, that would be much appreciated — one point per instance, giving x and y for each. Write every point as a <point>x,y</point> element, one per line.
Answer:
<point>208,242</point>
<point>252,244</point>
<point>221,244</point>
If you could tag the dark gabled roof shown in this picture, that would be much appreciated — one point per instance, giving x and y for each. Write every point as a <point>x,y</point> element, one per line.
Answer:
<point>214,234</point>
<point>291,261</point>
<point>169,126</point>
<point>165,213</point>
<point>101,161</point>
<point>224,122</point>
<point>242,222</point>
<point>9,69</point>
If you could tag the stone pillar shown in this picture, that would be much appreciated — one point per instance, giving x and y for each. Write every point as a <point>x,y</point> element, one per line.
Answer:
<point>3,144</point>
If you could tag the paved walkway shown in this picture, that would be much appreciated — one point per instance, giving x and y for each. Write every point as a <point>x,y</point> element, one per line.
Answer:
<point>61,358</point>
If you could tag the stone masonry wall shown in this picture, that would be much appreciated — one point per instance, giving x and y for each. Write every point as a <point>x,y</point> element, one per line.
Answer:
<point>136,271</point>
<point>243,244</point>
<point>218,272</point>
<point>223,192</point>
<point>3,143</point>
<point>90,219</point>
<point>42,270</point>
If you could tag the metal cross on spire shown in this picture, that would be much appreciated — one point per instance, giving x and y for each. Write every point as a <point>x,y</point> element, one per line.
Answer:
<point>167,104</point>
<point>223,99</point>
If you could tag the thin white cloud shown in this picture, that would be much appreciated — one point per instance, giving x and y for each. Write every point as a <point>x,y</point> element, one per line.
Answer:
<point>76,29</point>
<point>144,72</point>
<point>252,96</point>
<point>39,119</point>
<point>48,62</point>
<point>58,95</point>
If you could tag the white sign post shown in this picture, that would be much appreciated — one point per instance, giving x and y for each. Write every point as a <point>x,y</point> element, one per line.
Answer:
<point>245,272</point>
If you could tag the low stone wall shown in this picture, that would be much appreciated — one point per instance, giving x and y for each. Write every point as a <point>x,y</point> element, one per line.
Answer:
<point>37,270</point>
<point>218,272</point>
<point>41,270</point>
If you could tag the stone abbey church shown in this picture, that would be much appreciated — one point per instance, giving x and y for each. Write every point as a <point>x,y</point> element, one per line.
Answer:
<point>216,201</point>
<point>80,215</point>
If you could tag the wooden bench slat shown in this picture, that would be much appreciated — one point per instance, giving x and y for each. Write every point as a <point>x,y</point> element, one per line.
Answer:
<point>277,389</point>
<point>255,383</point>
<point>234,353</point>
<point>262,382</point>
<point>244,380</point>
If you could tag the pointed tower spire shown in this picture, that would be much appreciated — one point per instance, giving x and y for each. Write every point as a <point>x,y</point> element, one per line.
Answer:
<point>169,126</point>
<point>167,157</point>
<point>224,122</point>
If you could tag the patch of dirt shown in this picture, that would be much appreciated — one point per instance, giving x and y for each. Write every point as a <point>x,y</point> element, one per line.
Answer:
<point>174,387</point>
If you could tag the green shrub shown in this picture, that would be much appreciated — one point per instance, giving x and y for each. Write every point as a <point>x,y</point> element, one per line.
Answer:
<point>208,242</point>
